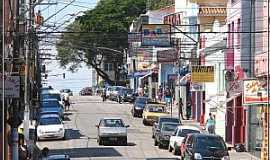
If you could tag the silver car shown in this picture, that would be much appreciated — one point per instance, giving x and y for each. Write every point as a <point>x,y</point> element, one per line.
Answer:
<point>112,130</point>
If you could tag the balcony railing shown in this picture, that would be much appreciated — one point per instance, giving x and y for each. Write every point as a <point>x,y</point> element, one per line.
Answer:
<point>212,11</point>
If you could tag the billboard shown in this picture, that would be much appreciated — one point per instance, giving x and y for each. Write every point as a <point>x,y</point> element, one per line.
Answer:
<point>255,92</point>
<point>134,37</point>
<point>202,74</point>
<point>156,35</point>
<point>12,86</point>
<point>169,55</point>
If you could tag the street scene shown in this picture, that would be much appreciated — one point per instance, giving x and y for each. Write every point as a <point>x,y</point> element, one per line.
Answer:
<point>135,80</point>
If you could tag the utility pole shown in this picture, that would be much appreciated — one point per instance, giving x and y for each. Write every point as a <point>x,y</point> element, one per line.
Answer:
<point>26,88</point>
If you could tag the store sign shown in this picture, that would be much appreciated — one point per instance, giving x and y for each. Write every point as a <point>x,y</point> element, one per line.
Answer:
<point>167,56</point>
<point>234,87</point>
<point>255,92</point>
<point>156,35</point>
<point>173,19</point>
<point>12,86</point>
<point>202,73</point>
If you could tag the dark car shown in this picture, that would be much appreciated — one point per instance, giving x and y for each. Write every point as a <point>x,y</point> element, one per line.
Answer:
<point>162,139</point>
<point>127,95</point>
<point>138,106</point>
<point>87,91</point>
<point>68,91</point>
<point>205,146</point>
<point>51,105</point>
<point>157,125</point>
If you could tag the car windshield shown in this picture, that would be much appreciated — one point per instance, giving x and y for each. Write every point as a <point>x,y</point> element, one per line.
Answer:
<point>158,109</point>
<point>51,96</point>
<point>66,90</point>
<point>129,91</point>
<point>49,121</point>
<point>50,104</point>
<point>141,100</point>
<point>211,143</point>
<point>113,123</point>
<point>184,132</point>
<point>162,120</point>
<point>169,126</point>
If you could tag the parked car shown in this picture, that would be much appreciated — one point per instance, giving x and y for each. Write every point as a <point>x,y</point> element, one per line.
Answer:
<point>59,157</point>
<point>70,93</point>
<point>50,126</point>
<point>139,104</point>
<point>162,137</point>
<point>112,129</point>
<point>158,124</point>
<point>151,113</point>
<point>205,146</point>
<point>87,91</point>
<point>51,105</point>
<point>178,137</point>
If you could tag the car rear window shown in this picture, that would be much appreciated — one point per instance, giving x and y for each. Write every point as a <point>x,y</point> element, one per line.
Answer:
<point>141,100</point>
<point>49,121</point>
<point>168,127</point>
<point>113,123</point>
<point>157,109</point>
<point>209,142</point>
<point>184,132</point>
<point>50,104</point>
<point>51,96</point>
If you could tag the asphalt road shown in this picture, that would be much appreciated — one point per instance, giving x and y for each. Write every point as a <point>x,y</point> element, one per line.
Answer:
<point>81,142</point>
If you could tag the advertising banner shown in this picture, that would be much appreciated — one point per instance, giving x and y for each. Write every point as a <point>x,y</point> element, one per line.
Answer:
<point>202,73</point>
<point>134,37</point>
<point>12,86</point>
<point>255,92</point>
<point>156,35</point>
<point>167,56</point>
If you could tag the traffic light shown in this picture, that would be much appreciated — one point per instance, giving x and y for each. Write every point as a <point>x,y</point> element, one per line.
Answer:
<point>64,75</point>
<point>45,76</point>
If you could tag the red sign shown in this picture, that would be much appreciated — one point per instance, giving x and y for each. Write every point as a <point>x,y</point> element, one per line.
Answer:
<point>173,19</point>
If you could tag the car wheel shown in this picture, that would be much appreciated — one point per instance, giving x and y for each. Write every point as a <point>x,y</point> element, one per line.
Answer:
<point>100,141</point>
<point>125,141</point>
<point>175,151</point>
<point>155,142</point>
<point>144,121</point>
<point>160,145</point>
<point>170,148</point>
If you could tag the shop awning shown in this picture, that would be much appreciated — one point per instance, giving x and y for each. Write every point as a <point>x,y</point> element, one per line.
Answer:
<point>139,74</point>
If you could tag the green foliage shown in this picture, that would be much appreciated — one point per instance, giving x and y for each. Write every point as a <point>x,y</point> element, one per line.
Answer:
<point>106,25</point>
<point>158,4</point>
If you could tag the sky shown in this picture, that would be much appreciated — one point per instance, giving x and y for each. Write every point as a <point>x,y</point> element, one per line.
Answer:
<point>74,81</point>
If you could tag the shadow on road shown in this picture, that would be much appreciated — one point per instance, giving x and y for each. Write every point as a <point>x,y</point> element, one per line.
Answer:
<point>73,134</point>
<point>87,152</point>
<point>115,144</point>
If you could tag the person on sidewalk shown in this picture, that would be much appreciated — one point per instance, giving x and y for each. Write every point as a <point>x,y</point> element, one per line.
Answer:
<point>180,109</point>
<point>210,124</point>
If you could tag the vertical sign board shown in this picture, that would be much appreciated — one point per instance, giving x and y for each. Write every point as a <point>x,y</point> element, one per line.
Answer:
<point>255,92</point>
<point>12,86</point>
<point>202,74</point>
<point>158,35</point>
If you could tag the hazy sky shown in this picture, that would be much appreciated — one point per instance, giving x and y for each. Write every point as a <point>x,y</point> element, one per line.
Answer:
<point>74,81</point>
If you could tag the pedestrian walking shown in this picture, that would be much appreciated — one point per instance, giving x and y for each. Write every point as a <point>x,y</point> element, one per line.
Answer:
<point>180,109</point>
<point>66,101</point>
<point>210,124</point>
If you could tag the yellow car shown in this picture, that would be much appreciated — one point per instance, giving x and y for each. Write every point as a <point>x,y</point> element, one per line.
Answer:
<point>151,113</point>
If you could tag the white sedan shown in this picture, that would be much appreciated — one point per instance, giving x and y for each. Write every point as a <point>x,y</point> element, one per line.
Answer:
<point>50,126</point>
<point>178,136</point>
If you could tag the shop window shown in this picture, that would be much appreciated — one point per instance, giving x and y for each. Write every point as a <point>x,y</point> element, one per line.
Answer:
<point>108,66</point>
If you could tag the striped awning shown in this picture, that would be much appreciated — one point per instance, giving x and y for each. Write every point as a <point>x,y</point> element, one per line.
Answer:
<point>212,11</point>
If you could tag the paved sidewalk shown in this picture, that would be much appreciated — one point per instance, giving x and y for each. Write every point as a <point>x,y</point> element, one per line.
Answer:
<point>233,154</point>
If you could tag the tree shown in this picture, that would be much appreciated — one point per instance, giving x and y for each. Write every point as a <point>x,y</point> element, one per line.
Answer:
<point>107,26</point>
